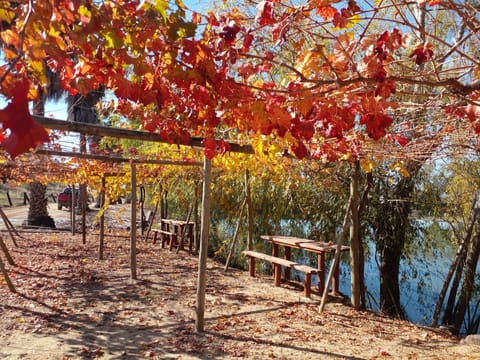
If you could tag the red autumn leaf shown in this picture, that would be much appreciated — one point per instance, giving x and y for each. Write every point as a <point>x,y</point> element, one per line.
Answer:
<point>340,19</point>
<point>422,53</point>
<point>247,42</point>
<point>401,140</point>
<point>25,133</point>
<point>376,123</point>
<point>265,14</point>
<point>223,146</point>
<point>300,150</point>
<point>229,32</point>
<point>210,145</point>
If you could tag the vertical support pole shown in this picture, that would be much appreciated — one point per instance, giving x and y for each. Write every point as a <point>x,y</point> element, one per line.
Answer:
<point>83,199</point>
<point>195,219</point>
<point>72,210</point>
<point>204,231</point>
<point>249,211</point>
<point>102,220</point>
<point>133,224</point>
<point>3,270</point>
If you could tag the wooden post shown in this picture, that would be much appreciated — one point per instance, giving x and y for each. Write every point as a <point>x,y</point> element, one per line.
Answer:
<point>11,229</point>
<point>202,261</point>
<point>83,199</point>
<point>6,277</point>
<point>195,219</point>
<point>249,211</point>
<point>133,224</point>
<point>354,240</point>
<point>235,235</point>
<point>6,252</point>
<point>72,210</point>
<point>102,220</point>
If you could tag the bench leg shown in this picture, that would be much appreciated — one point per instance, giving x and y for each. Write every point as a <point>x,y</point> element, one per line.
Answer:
<point>170,245</point>
<point>251,265</point>
<point>164,239</point>
<point>307,284</point>
<point>277,273</point>
<point>155,237</point>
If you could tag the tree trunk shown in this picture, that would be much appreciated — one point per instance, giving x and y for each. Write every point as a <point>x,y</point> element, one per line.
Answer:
<point>390,235</point>
<point>455,269</point>
<point>469,276</point>
<point>37,212</point>
<point>389,273</point>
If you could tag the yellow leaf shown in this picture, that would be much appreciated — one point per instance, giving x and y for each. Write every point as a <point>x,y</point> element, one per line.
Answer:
<point>368,164</point>
<point>7,15</point>
<point>37,67</point>
<point>477,72</point>
<point>37,52</point>
<point>32,93</point>
<point>401,170</point>
<point>10,37</point>
<point>85,14</point>
<point>149,78</point>
<point>258,83</point>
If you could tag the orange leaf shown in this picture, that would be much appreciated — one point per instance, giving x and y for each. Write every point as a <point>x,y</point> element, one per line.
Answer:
<point>326,12</point>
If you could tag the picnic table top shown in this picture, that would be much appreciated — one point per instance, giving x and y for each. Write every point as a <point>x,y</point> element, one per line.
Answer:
<point>175,221</point>
<point>301,243</point>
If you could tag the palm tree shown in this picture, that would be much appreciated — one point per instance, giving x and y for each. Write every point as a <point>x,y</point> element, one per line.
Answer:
<point>83,109</point>
<point>38,211</point>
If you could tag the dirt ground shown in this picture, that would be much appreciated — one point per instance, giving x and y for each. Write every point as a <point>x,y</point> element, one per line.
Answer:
<point>70,305</point>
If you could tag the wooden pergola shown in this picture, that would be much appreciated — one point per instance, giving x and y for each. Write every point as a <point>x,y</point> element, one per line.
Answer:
<point>195,142</point>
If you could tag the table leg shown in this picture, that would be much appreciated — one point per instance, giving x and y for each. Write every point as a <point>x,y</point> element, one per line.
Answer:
<point>275,250</point>
<point>179,236</point>
<point>288,256</point>
<point>321,272</point>
<point>274,253</point>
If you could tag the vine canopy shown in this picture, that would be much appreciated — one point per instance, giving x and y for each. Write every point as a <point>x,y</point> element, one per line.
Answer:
<point>326,76</point>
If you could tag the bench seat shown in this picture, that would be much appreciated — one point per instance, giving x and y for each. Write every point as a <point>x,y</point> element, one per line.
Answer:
<point>165,237</point>
<point>277,263</point>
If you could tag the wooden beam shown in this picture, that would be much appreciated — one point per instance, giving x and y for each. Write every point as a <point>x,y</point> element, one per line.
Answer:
<point>117,159</point>
<point>98,130</point>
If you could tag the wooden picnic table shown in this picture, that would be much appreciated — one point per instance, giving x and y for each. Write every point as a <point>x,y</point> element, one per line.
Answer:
<point>317,247</point>
<point>178,227</point>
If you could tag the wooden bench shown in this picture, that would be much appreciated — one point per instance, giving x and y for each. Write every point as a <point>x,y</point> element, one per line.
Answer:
<point>277,270</point>
<point>166,237</point>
